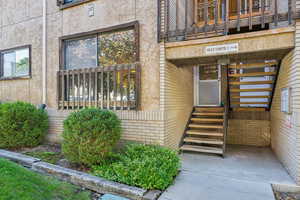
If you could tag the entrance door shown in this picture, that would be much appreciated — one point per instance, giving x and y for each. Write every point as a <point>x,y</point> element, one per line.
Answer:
<point>207,85</point>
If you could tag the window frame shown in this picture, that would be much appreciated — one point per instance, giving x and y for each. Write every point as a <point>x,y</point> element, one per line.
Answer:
<point>122,27</point>
<point>62,5</point>
<point>2,52</point>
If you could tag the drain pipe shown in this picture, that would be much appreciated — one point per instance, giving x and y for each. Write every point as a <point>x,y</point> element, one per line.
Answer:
<point>44,54</point>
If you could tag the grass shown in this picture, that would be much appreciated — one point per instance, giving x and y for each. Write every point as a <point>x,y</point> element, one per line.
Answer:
<point>50,157</point>
<point>18,183</point>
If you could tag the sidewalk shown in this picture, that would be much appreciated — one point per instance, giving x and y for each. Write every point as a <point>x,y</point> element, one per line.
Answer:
<point>246,173</point>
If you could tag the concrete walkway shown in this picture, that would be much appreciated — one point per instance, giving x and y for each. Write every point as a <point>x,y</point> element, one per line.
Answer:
<point>246,173</point>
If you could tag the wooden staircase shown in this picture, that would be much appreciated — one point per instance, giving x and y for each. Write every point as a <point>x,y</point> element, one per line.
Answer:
<point>251,86</point>
<point>206,131</point>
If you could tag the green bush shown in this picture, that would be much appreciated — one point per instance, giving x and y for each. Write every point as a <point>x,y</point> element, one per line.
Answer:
<point>90,135</point>
<point>149,167</point>
<point>22,125</point>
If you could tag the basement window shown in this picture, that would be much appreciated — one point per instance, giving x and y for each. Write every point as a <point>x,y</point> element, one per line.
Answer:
<point>15,63</point>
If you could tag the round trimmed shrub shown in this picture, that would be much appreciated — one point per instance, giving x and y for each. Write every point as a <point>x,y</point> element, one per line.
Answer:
<point>90,135</point>
<point>22,125</point>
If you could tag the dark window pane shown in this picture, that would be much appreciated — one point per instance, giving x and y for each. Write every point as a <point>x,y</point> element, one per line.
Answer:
<point>117,48</point>
<point>208,72</point>
<point>81,53</point>
<point>68,1</point>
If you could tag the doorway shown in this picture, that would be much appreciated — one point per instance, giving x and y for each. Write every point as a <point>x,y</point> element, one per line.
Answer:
<point>207,81</point>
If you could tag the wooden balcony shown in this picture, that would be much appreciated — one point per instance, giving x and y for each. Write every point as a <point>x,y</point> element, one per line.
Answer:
<point>114,88</point>
<point>196,19</point>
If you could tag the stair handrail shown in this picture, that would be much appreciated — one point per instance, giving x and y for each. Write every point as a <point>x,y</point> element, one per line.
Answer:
<point>226,111</point>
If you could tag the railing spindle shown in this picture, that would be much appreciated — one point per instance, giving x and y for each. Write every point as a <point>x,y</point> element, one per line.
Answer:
<point>276,12</point>
<point>115,88</point>
<point>68,90</point>
<point>128,87</point>
<point>216,14</point>
<point>102,87</point>
<point>263,8</point>
<point>63,89</point>
<point>108,89</point>
<point>84,87</point>
<point>239,15</point>
<point>290,13</point>
<point>250,14</point>
<point>205,16</point>
<point>90,88</point>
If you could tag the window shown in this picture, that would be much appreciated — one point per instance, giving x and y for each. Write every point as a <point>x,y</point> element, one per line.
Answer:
<point>81,53</point>
<point>286,100</point>
<point>70,3</point>
<point>100,69</point>
<point>101,49</point>
<point>15,63</point>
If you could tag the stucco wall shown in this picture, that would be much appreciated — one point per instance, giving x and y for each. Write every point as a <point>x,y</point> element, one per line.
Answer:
<point>21,24</point>
<point>285,128</point>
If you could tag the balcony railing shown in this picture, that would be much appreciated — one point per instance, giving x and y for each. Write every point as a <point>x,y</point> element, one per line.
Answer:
<point>115,87</point>
<point>193,19</point>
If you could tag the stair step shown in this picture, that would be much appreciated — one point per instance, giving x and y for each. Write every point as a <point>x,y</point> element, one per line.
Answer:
<point>205,133</point>
<point>207,114</point>
<point>240,109</point>
<point>253,65</point>
<point>252,90</point>
<point>209,109</point>
<point>205,126</point>
<point>201,149</point>
<point>207,120</point>
<point>250,82</point>
<point>255,103</point>
<point>253,74</point>
<point>203,140</point>
<point>250,97</point>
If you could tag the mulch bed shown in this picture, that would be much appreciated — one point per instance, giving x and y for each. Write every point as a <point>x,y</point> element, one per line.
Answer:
<point>54,148</point>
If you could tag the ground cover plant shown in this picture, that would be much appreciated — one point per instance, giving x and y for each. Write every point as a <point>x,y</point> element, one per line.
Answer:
<point>18,183</point>
<point>146,166</point>
<point>22,125</point>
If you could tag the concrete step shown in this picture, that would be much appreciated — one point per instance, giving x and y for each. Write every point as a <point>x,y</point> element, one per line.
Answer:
<point>203,140</point>
<point>205,133</point>
<point>201,149</point>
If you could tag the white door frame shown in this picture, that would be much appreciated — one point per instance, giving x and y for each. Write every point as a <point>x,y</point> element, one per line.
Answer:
<point>197,82</point>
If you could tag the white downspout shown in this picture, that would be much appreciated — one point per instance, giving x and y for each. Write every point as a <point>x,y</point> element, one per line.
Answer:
<point>44,54</point>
